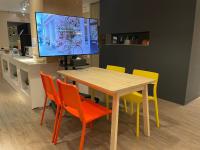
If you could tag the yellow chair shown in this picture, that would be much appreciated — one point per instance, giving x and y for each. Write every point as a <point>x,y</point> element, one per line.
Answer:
<point>136,97</point>
<point>113,68</point>
<point>116,68</point>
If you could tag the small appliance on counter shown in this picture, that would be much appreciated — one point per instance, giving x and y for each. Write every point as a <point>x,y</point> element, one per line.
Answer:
<point>15,52</point>
<point>28,51</point>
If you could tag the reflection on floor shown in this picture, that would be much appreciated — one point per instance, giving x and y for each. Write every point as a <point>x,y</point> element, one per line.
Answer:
<point>20,129</point>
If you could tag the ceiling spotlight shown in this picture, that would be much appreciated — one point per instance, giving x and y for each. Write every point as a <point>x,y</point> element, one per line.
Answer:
<point>24,6</point>
<point>24,9</point>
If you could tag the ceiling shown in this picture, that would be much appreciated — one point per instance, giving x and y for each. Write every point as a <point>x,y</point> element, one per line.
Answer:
<point>14,5</point>
<point>10,5</point>
<point>89,1</point>
<point>86,4</point>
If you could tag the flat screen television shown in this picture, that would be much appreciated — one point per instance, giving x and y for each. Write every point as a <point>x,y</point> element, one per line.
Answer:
<point>60,35</point>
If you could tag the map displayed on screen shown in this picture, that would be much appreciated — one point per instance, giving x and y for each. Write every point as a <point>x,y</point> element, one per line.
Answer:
<point>66,35</point>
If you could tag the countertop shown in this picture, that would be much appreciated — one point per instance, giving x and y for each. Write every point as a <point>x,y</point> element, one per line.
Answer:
<point>22,59</point>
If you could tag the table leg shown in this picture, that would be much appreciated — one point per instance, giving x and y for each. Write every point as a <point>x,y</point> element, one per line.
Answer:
<point>146,111</point>
<point>114,128</point>
<point>65,79</point>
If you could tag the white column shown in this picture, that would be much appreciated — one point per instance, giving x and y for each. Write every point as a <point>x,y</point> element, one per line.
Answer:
<point>35,6</point>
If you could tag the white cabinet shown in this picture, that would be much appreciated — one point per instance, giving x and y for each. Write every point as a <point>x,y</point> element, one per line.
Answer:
<point>23,74</point>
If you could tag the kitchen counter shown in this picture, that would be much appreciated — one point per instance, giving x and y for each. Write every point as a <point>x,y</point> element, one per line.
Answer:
<point>23,74</point>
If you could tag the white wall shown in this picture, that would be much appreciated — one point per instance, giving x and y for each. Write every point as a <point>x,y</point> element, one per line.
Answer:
<point>9,17</point>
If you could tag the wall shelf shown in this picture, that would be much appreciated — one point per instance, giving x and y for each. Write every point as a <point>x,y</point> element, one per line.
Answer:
<point>25,81</point>
<point>126,45</point>
<point>127,39</point>
<point>5,66</point>
<point>13,74</point>
<point>13,71</point>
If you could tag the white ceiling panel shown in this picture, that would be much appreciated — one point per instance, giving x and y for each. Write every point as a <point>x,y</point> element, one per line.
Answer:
<point>14,5</point>
<point>86,4</point>
<point>10,5</point>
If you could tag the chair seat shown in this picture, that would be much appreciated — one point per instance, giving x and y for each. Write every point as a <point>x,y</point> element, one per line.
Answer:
<point>137,97</point>
<point>92,111</point>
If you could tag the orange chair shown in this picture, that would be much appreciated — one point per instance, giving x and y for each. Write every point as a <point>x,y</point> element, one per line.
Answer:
<point>51,94</point>
<point>86,111</point>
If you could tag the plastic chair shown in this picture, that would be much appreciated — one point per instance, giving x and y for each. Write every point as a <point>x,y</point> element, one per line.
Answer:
<point>51,94</point>
<point>113,68</point>
<point>136,97</point>
<point>116,68</point>
<point>86,111</point>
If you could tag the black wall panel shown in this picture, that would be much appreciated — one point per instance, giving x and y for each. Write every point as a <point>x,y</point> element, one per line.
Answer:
<point>171,24</point>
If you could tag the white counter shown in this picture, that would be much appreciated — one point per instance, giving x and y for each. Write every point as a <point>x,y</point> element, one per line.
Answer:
<point>0,65</point>
<point>23,74</point>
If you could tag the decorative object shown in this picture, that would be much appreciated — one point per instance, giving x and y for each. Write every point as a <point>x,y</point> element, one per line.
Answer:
<point>127,41</point>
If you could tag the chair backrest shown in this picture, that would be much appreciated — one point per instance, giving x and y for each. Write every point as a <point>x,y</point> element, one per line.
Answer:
<point>116,68</point>
<point>148,74</point>
<point>69,96</point>
<point>49,88</point>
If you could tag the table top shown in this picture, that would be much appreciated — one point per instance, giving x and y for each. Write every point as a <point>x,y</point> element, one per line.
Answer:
<point>105,80</point>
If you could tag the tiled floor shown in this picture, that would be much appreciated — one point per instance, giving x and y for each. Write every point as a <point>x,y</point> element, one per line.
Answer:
<point>20,129</point>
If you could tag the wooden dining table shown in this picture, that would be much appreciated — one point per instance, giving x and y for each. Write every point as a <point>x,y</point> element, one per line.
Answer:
<point>115,84</point>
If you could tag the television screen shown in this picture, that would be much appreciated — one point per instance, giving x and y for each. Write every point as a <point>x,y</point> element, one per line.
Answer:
<point>66,35</point>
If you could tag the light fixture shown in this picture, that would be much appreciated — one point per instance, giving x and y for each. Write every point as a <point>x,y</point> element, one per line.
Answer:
<point>23,9</point>
<point>24,6</point>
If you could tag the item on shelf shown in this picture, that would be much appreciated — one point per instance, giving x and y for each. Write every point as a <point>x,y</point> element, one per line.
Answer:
<point>114,40</point>
<point>145,42</point>
<point>121,40</point>
<point>127,41</point>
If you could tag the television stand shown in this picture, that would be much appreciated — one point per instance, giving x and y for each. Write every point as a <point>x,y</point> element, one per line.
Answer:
<point>73,63</point>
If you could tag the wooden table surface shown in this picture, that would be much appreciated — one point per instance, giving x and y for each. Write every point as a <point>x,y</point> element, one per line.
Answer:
<point>109,81</point>
<point>115,84</point>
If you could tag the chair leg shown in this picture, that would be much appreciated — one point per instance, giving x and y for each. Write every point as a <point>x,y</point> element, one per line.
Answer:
<point>82,136</point>
<point>107,105</point>
<point>138,120</point>
<point>56,122</point>
<point>91,125</point>
<point>125,105</point>
<point>156,113</point>
<point>58,126</point>
<point>44,108</point>
<point>131,108</point>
